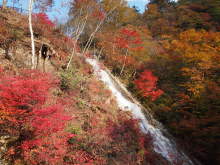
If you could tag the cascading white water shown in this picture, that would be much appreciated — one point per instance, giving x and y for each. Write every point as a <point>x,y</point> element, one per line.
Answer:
<point>161,144</point>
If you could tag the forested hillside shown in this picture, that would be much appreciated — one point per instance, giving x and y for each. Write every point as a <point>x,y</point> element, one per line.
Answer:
<point>169,57</point>
<point>54,115</point>
<point>53,110</point>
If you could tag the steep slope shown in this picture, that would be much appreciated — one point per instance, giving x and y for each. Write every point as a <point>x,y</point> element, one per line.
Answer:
<point>58,116</point>
<point>161,144</point>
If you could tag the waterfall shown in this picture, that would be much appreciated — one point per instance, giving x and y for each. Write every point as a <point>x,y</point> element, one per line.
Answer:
<point>161,144</point>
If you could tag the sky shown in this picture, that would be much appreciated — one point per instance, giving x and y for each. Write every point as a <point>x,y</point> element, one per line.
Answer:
<point>140,4</point>
<point>62,13</point>
<point>60,9</point>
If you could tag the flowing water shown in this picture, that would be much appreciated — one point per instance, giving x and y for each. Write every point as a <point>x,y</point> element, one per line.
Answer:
<point>161,143</point>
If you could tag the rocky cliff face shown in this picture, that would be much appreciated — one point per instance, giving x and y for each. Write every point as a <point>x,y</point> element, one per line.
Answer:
<point>15,43</point>
<point>19,56</point>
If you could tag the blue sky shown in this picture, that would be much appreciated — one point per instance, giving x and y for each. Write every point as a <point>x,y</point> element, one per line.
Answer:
<point>140,4</point>
<point>62,13</point>
<point>60,9</point>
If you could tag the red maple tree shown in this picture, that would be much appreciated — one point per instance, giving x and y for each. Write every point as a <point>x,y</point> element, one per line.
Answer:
<point>146,83</point>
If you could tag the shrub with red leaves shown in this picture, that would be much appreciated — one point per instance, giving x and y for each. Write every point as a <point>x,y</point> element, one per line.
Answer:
<point>146,83</point>
<point>44,19</point>
<point>46,149</point>
<point>130,143</point>
<point>20,94</point>
<point>43,26</point>
<point>49,144</point>
<point>49,120</point>
<point>22,110</point>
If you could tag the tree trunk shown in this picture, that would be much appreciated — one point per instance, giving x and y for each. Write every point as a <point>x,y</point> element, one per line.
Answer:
<point>122,69</point>
<point>98,26</point>
<point>32,35</point>
<point>4,4</point>
<point>100,53</point>
<point>79,31</point>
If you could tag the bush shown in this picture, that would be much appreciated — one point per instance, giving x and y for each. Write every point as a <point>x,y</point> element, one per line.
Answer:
<point>70,79</point>
<point>20,94</point>
<point>40,128</point>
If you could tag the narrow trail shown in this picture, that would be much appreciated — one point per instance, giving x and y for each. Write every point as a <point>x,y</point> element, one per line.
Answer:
<point>162,144</point>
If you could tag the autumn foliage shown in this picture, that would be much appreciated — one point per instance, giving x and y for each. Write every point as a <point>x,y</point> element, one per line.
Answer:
<point>178,41</point>
<point>46,134</point>
<point>43,26</point>
<point>44,19</point>
<point>128,38</point>
<point>49,142</point>
<point>120,48</point>
<point>146,83</point>
<point>21,94</point>
<point>22,111</point>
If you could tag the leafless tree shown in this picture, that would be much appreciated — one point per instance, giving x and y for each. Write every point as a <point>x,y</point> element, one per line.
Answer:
<point>32,34</point>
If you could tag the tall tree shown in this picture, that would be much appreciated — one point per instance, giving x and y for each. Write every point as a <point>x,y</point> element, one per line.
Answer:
<point>87,18</point>
<point>42,5</point>
<point>32,34</point>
